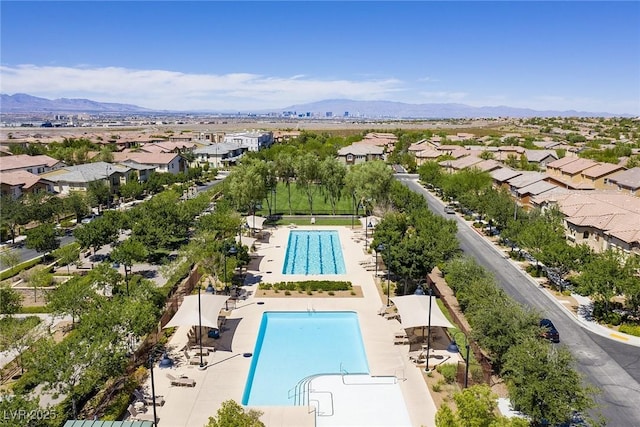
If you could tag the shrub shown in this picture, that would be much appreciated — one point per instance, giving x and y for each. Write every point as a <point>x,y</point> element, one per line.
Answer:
<point>630,329</point>
<point>287,292</point>
<point>448,371</point>
<point>437,387</point>
<point>331,293</point>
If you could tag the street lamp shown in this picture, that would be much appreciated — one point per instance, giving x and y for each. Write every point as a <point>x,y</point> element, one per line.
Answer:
<point>420,291</point>
<point>200,326</point>
<point>368,226</point>
<point>210,289</point>
<point>380,248</point>
<point>453,348</point>
<point>153,390</point>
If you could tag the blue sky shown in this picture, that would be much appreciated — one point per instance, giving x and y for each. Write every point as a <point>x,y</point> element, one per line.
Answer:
<point>207,55</point>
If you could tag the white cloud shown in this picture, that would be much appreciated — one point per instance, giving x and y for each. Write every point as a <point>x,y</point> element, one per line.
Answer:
<point>162,89</point>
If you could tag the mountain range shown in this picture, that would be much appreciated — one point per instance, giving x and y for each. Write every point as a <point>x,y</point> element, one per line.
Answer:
<point>23,103</point>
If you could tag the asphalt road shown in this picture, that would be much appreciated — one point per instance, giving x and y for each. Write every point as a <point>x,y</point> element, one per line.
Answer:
<point>611,366</point>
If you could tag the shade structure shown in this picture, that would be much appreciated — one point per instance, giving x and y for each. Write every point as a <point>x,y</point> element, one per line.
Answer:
<point>369,220</point>
<point>255,222</point>
<point>187,314</point>
<point>414,311</point>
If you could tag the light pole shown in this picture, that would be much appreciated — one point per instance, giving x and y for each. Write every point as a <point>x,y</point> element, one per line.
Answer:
<point>420,291</point>
<point>453,348</point>
<point>153,390</point>
<point>368,225</point>
<point>380,248</point>
<point>388,265</point>
<point>200,325</point>
<point>231,251</point>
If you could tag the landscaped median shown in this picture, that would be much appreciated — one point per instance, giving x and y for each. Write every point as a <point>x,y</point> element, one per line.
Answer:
<point>315,288</point>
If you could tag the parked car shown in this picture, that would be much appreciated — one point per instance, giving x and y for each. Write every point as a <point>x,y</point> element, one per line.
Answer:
<point>449,209</point>
<point>549,330</point>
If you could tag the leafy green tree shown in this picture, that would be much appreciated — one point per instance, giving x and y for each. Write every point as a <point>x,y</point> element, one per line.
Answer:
<point>72,367</point>
<point>127,253</point>
<point>10,300</point>
<point>246,187</point>
<point>476,407</point>
<point>307,176</point>
<point>332,174</point>
<point>77,203</point>
<point>17,335</point>
<point>543,383</point>
<point>231,414</point>
<point>603,277</point>
<point>431,173</point>
<point>13,214</point>
<point>42,238</point>
<point>67,255</point>
<point>99,232</point>
<point>74,297</point>
<point>267,172</point>
<point>131,190</point>
<point>285,171</point>
<point>38,277</point>
<point>9,259</point>
<point>14,406</point>
<point>98,193</point>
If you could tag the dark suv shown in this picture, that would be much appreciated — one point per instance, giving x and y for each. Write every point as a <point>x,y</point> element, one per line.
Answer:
<point>549,330</point>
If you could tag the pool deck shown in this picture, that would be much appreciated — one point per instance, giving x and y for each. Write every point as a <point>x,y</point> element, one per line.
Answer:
<point>226,372</point>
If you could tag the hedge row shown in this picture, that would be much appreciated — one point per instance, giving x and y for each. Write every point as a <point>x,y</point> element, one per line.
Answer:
<point>309,285</point>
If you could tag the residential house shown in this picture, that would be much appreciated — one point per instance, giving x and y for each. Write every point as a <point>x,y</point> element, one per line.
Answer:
<point>34,164</point>
<point>427,155</point>
<point>502,176</point>
<point>627,181</point>
<point>461,163</point>
<point>78,178</point>
<point>597,175</point>
<point>520,182</point>
<point>19,182</point>
<point>208,137</point>
<point>488,165</point>
<point>219,155</point>
<point>602,219</point>
<point>254,140</point>
<point>170,147</point>
<point>162,162</point>
<point>360,153</point>
<point>143,171</point>
<point>540,157</point>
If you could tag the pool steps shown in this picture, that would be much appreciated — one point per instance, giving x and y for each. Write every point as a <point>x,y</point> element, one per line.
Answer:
<point>321,401</point>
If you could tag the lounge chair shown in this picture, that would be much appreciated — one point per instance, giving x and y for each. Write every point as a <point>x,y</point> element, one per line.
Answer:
<point>140,416</point>
<point>400,341</point>
<point>181,381</point>
<point>418,357</point>
<point>195,360</point>
<point>146,399</point>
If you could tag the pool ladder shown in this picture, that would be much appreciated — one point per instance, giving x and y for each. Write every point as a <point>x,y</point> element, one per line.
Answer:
<point>301,395</point>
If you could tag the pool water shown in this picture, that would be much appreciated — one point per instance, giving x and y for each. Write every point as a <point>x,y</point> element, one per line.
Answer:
<point>314,252</point>
<point>294,345</point>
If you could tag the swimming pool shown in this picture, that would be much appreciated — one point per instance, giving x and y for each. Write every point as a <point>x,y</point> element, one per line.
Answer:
<point>294,345</point>
<point>313,252</point>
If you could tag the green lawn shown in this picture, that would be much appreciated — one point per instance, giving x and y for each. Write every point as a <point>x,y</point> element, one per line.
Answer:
<point>319,221</point>
<point>300,205</point>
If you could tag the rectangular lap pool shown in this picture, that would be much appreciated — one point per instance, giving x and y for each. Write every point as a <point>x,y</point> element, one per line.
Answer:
<point>314,252</point>
<point>292,346</point>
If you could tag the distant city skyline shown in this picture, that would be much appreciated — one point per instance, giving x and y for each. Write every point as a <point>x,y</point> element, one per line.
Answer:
<point>207,56</point>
